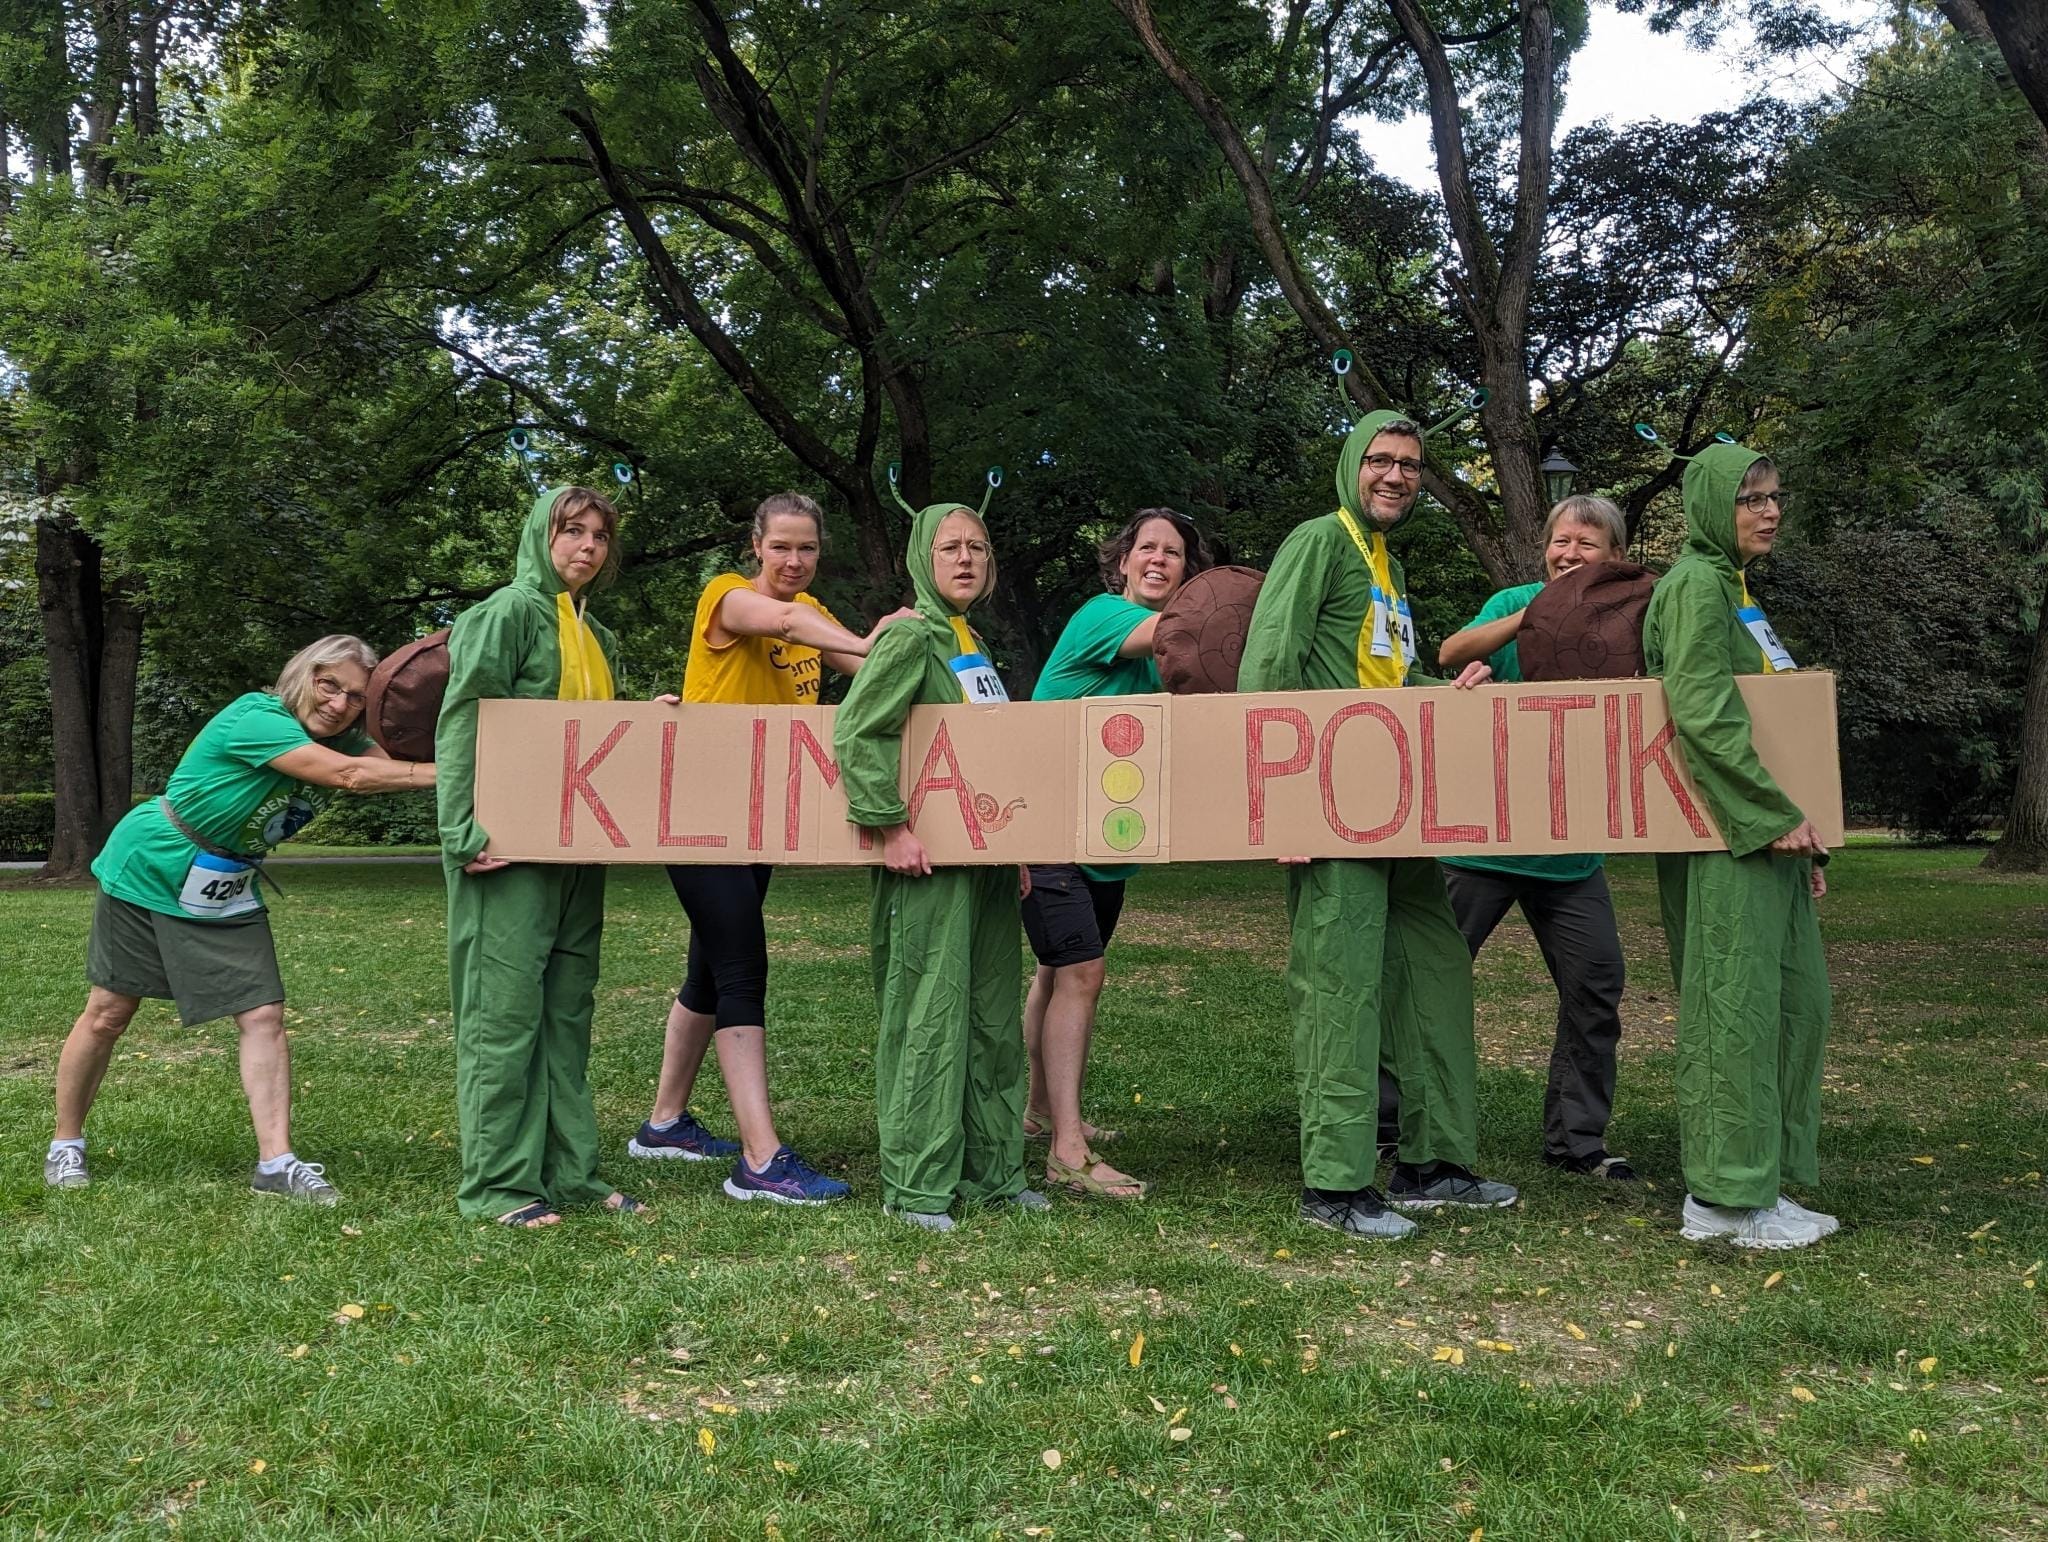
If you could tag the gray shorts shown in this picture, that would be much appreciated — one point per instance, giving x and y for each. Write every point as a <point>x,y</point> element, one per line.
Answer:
<point>209,969</point>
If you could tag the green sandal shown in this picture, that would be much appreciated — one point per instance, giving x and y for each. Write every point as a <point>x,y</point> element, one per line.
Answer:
<point>1082,1180</point>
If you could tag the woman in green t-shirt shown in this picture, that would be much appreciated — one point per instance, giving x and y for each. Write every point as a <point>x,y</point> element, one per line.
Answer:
<point>1564,898</point>
<point>1071,912</point>
<point>180,913</point>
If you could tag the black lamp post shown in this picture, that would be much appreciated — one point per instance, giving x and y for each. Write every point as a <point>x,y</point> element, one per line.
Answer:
<point>1557,476</point>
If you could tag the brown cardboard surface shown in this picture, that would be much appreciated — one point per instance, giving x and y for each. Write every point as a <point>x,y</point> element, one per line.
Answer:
<point>1564,766</point>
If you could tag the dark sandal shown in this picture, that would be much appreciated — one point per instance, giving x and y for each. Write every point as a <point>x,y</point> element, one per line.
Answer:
<point>627,1205</point>
<point>530,1217</point>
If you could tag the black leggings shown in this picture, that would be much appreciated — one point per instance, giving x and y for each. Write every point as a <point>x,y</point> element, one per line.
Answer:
<point>727,975</point>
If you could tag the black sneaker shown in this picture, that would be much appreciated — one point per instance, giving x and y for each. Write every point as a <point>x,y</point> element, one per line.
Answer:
<point>1599,1165</point>
<point>1363,1214</point>
<point>1446,1183</point>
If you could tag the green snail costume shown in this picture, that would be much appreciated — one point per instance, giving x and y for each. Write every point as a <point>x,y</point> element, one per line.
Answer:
<point>949,1049</point>
<point>1742,927</point>
<point>522,941</point>
<point>1376,967</point>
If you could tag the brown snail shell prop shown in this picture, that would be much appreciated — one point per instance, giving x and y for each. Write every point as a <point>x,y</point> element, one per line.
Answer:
<point>1586,624</point>
<point>1199,641</point>
<point>403,702</point>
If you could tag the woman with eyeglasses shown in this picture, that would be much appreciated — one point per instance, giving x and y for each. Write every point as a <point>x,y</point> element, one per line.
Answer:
<point>949,1048</point>
<point>180,914</point>
<point>523,937</point>
<point>1742,924</point>
<point>1071,912</point>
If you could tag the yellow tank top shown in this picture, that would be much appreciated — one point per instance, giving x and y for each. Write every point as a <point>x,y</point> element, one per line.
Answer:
<point>758,670</point>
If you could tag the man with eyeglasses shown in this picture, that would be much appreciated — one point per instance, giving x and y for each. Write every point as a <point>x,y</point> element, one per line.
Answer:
<point>1377,969</point>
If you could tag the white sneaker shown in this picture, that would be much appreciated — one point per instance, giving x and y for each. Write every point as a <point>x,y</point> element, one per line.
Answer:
<point>1828,1224</point>
<point>1771,1226</point>
<point>64,1168</point>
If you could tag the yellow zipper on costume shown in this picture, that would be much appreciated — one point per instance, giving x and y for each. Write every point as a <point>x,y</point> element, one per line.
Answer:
<point>586,675</point>
<point>1384,615</point>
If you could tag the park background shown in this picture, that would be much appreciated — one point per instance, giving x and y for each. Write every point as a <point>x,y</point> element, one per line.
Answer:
<point>278,283</point>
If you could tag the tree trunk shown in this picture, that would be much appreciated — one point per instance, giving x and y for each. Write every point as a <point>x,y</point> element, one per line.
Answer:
<point>2023,848</point>
<point>2020,29</point>
<point>94,642</point>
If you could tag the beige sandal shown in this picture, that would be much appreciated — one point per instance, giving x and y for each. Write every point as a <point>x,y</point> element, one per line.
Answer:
<point>1033,1130</point>
<point>1083,1180</point>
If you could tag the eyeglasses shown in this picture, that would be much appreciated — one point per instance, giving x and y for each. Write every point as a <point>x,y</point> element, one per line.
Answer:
<point>333,690</point>
<point>952,550</point>
<point>1380,465</point>
<point>1754,502</point>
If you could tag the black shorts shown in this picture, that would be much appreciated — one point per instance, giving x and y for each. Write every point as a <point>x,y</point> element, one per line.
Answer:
<point>1069,916</point>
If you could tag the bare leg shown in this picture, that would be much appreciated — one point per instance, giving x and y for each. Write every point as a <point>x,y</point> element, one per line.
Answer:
<point>682,1052</point>
<point>267,1077</point>
<point>1069,1026</point>
<point>1036,999</point>
<point>86,1052</point>
<point>743,1061</point>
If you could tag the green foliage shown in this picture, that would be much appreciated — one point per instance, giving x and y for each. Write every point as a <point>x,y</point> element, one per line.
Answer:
<point>389,819</point>
<point>28,821</point>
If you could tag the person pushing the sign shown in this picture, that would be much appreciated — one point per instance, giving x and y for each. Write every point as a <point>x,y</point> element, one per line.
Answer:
<point>523,937</point>
<point>1742,924</point>
<point>949,1048</point>
<point>764,639</point>
<point>180,914</point>
<point>1374,947</point>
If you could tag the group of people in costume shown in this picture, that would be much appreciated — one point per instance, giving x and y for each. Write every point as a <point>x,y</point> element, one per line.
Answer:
<point>968,1067</point>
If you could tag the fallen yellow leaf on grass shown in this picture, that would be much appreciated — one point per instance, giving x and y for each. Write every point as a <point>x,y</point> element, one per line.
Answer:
<point>1926,1367</point>
<point>1575,1330</point>
<point>1671,1350</point>
<point>1179,1432</point>
<point>1773,1278</point>
<point>976,1379</point>
<point>1759,1467</point>
<point>1137,1349</point>
<point>723,1408</point>
<point>1177,1415</point>
<point>1282,1253</point>
<point>1449,1353</point>
<point>259,1465</point>
<point>1498,1346</point>
<point>1923,1161</point>
<point>784,1467</point>
<point>1917,1437</point>
<point>1338,1434</point>
<point>1478,1534</point>
<point>1714,1290</point>
<point>1405,1322</point>
<point>1051,1458</point>
<point>706,1441</point>
<point>298,1352</point>
<point>1634,1322</point>
<point>1235,1350</point>
<point>1157,1406</point>
<point>351,1311</point>
<point>771,1531</point>
<point>1801,1395</point>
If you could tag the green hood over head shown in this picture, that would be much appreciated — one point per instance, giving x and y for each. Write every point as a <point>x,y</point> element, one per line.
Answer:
<point>1712,478</point>
<point>924,535</point>
<point>1352,458</point>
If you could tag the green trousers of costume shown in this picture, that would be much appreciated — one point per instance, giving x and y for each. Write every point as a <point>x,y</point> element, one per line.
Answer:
<point>1378,970</point>
<point>522,968</point>
<point>949,1057</point>
<point>1752,1021</point>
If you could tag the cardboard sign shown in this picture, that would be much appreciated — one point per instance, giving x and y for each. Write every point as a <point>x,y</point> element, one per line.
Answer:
<point>1516,769</point>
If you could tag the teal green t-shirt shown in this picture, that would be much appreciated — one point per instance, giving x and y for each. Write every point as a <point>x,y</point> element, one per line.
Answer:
<point>224,789</point>
<point>1507,666</point>
<point>1084,662</point>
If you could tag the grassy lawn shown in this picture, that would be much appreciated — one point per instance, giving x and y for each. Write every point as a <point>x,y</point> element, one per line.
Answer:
<point>177,1355</point>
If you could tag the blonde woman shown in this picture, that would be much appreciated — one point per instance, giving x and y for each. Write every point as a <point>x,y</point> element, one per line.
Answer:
<point>180,914</point>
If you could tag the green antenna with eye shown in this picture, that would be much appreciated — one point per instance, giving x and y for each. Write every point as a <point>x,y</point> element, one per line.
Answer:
<point>1649,436</point>
<point>525,453</point>
<point>1472,404</point>
<point>995,480</point>
<point>896,489</point>
<point>1340,366</point>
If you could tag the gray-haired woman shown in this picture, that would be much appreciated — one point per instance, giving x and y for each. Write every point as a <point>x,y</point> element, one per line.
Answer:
<point>180,913</point>
<point>1564,898</point>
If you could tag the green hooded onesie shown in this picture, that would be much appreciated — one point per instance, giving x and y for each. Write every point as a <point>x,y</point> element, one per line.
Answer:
<point>1376,967</point>
<point>1742,926</point>
<point>522,941</point>
<point>949,1051</point>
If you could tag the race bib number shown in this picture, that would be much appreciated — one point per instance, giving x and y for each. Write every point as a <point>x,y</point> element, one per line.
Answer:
<point>1392,622</point>
<point>216,888</point>
<point>1752,616</point>
<point>980,685</point>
